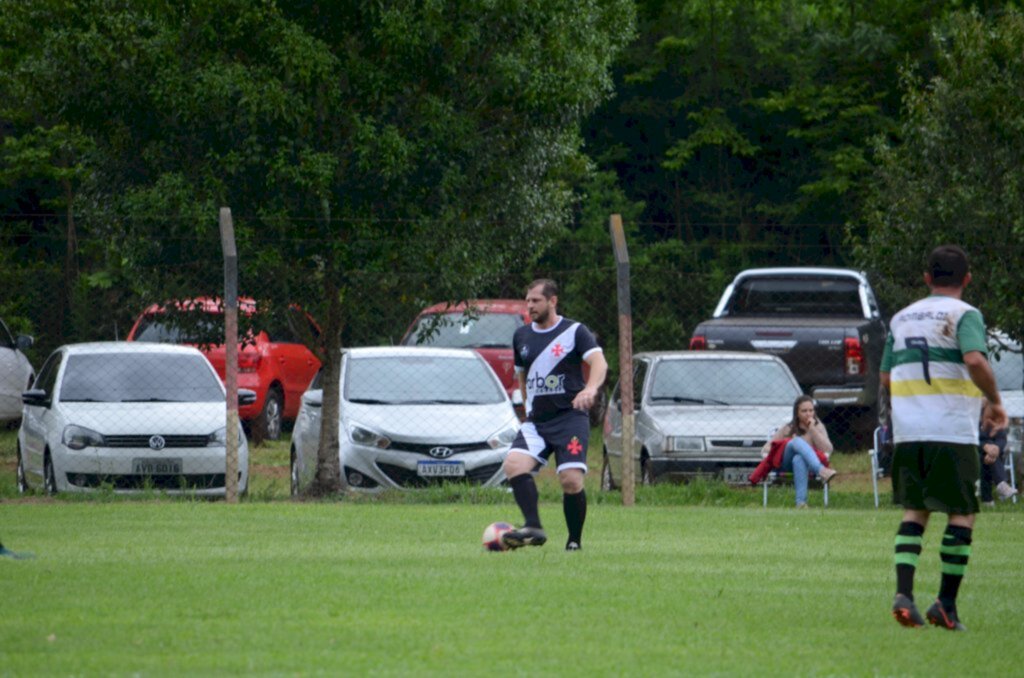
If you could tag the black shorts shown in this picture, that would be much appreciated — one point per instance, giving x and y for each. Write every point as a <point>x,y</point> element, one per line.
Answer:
<point>566,435</point>
<point>935,476</point>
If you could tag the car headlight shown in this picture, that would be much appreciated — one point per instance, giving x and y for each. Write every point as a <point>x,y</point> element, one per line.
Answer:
<point>79,437</point>
<point>685,444</point>
<point>220,437</point>
<point>368,438</point>
<point>504,437</point>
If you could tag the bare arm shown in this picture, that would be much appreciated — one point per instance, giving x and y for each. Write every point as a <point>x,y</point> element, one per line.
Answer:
<point>817,436</point>
<point>981,374</point>
<point>584,400</point>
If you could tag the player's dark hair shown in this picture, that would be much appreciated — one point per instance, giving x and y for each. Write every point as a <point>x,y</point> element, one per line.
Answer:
<point>794,425</point>
<point>948,266</point>
<point>549,288</point>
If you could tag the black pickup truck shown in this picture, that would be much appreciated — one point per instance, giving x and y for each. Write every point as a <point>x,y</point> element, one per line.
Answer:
<point>824,323</point>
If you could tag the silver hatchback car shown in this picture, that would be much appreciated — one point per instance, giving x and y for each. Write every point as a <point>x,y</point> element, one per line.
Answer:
<point>410,417</point>
<point>699,413</point>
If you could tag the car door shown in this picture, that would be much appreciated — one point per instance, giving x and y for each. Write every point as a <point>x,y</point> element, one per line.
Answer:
<point>38,420</point>
<point>14,374</point>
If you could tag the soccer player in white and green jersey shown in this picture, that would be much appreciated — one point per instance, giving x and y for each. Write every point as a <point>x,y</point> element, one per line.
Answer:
<point>936,368</point>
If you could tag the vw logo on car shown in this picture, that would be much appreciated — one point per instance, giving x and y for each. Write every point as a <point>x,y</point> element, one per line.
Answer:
<point>157,443</point>
<point>440,452</point>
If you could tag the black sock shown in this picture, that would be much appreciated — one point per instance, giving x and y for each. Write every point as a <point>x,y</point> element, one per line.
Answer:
<point>524,489</point>
<point>955,551</point>
<point>575,508</point>
<point>908,550</point>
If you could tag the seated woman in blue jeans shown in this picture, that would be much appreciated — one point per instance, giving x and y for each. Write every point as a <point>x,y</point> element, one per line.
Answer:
<point>806,434</point>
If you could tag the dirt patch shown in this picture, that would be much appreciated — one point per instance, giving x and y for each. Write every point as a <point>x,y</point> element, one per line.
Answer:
<point>273,472</point>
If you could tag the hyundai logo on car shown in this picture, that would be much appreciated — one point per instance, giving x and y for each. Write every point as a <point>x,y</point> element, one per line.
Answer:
<point>157,443</point>
<point>441,452</point>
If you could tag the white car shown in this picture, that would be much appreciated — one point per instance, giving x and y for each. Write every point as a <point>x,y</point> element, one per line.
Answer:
<point>699,413</point>
<point>1008,366</point>
<point>410,417</point>
<point>127,416</point>
<point>16,372</point>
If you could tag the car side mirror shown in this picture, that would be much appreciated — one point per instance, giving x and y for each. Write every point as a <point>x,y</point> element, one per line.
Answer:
<point>246,396</point>
<point>23,342</point>
<point>314,398</point>
<point>35,397</point>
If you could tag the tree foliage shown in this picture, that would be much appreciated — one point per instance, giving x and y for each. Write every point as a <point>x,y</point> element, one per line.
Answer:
<point>954,174</point>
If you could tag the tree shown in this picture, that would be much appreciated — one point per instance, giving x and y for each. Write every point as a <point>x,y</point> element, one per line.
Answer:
<point>953,175</point>
<point>365,148</point>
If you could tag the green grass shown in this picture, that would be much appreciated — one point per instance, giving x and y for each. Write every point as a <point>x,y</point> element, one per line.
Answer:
<point>388,589</point>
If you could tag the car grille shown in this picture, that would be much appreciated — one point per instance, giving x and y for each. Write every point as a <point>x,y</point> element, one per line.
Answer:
<point>143,441</point>
<point>198,481</point>
<point>406,477</point>
<point>752,443</point>
<point>424,448</point>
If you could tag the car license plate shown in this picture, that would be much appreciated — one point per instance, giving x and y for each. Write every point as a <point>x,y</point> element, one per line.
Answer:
<point>156,467</point>
<point>736,476</point>
<point>441,469</point>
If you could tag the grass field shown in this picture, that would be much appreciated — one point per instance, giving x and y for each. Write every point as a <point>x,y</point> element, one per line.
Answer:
<point>695,579</point>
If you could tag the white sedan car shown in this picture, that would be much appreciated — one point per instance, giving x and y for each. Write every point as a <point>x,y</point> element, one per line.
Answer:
<point>410,417</point>
<point>127,416</point>
<point>15,372</point>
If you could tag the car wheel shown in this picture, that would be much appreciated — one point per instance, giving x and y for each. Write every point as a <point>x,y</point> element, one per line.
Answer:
<point>607,482</point>
<point>647,476</point>
<point>20,473</point>
<point>295,475</point>
<point>270,418</point>
<point>49,476</point>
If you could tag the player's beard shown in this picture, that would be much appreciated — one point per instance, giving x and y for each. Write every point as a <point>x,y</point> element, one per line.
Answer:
<point>541,317</point>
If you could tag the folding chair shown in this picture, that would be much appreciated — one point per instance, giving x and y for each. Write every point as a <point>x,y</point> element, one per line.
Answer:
<point>785,476</point>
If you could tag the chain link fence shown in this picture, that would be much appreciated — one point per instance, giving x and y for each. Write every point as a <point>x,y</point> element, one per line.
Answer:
<point>713,380</point>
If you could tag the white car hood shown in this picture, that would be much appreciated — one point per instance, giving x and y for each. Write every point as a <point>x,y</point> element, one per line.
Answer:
<point>755,421</point>
<point>430,423</point>
<point>147,418</point>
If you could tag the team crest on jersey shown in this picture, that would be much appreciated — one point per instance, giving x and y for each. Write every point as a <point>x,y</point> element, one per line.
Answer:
<point>524,351</point>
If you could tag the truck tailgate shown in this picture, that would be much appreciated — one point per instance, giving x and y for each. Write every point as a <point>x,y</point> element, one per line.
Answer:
<point>812,348</point>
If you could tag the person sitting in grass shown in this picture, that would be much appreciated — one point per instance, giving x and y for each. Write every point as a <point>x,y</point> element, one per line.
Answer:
<point>801,446</point>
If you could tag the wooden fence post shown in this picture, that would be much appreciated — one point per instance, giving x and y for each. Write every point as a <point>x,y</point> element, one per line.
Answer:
<point>227,243</point>
<point>625,358</point>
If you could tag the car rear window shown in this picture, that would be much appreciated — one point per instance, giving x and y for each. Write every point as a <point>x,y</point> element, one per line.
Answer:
<point>722,382</point>
<point>421,380</point>
<point>796,296</point>
<point>184,328</point>
<point>459,330</point>
<point>139,377</point>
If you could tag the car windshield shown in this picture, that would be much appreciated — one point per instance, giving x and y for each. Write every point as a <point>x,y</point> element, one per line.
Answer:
<point>396,380</point>
<point>796,296</point>
<point>1009,369</point>
<point>459,330</point>
<point>139,377</point>
<point>722,382</point>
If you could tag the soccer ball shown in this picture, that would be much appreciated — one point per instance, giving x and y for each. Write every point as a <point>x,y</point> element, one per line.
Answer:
<point>492,536</point>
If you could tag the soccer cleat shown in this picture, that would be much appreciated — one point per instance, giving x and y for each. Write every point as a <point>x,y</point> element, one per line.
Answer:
<point>938,615</point>
<point>573,546</point>
<point>524,536</point>
<point>905,612</point>
<point>826,474</point>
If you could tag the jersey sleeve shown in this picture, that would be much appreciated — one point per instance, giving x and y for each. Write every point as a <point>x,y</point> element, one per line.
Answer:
<point>970,332</point>
<point>585,341</point>
<point>886,365</point>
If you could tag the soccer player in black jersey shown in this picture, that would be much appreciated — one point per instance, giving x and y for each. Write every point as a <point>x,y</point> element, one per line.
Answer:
<point>549,358</point>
